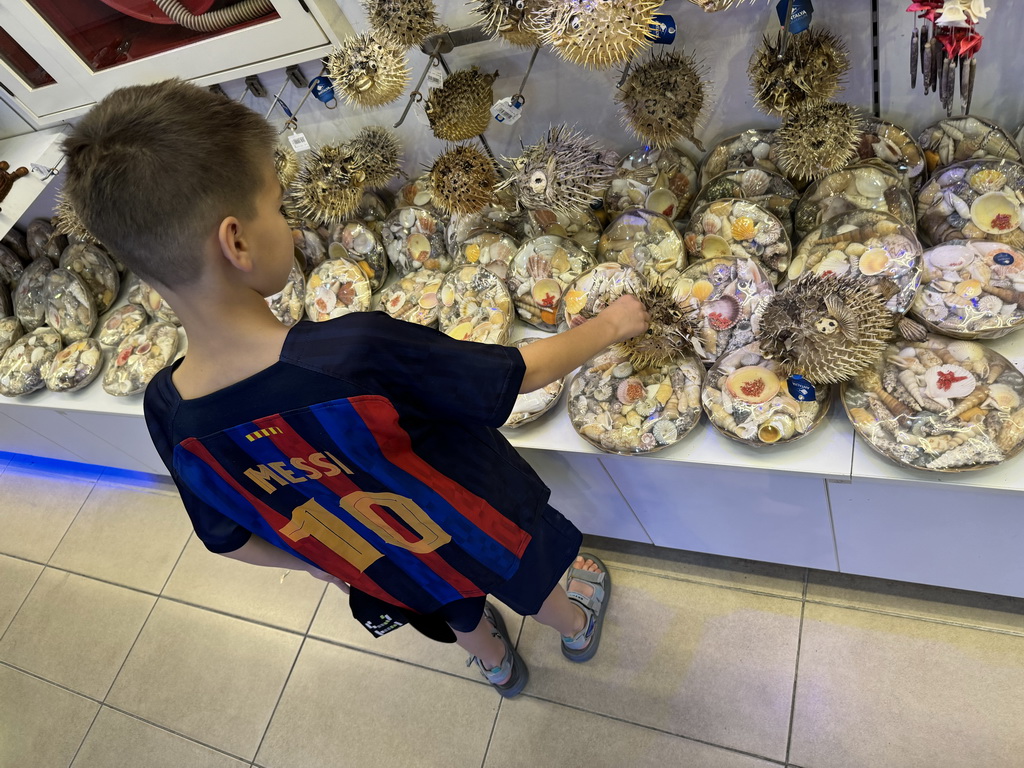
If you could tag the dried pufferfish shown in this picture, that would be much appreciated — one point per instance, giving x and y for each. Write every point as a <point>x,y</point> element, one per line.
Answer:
<point>329,187</point>
<point>811,69</point>
<point>376,151</point>
<point>509,20</point>
<point>564,171</point>
<point>825,328</point>
<point>286,163</point>
<point>668,335</point>
<point>68,222</point>
<point>461,108</point>
<point>817,139</point>
<point>463,180</point>
<point>368,73</point>
<point>596,34</point>
<point>663,98</point>
<point>403,22</point>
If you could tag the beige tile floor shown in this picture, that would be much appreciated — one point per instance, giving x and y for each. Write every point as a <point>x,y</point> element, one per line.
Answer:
<point>124,644</point>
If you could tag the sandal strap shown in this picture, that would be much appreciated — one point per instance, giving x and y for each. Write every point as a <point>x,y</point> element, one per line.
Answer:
<point>581,574</point>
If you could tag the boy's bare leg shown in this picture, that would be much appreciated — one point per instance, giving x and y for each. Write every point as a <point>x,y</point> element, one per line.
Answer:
<point>482,643</point>
<point>559,611</point>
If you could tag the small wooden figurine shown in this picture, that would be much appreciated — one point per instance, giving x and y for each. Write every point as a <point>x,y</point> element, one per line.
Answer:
<point>7,178</point>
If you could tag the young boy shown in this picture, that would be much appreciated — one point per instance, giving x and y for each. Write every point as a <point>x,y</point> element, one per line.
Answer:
<point>363,449</point>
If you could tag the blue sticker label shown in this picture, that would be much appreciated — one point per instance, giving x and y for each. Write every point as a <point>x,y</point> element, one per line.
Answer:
<point>801,389</point>
<point>801,18</point>
<point>1003,258</point>
<point>322,88</point>
<point>664,29</point>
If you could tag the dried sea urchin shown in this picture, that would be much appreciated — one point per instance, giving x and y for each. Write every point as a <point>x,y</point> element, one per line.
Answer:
<point>68,222</point>
<point>825,328</point>
<point>596,34</point>
<point>811,69</point>
<point>662,99</point>
<point>376,151</point>
<point>564,171</point>
<point>461,108</point>
<point>329,186</point>
<point>463,180</point>
<point>818,138</point>
<point>509,20</point>
<point>404,22</point>
<point>368,73</point>
<point>286,163</point>
<point>667,337</point>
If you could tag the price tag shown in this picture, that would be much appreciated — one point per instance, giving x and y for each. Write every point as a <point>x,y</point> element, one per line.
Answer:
<point>435,79</point>
<point>299,142</point>
<point>507,110</point>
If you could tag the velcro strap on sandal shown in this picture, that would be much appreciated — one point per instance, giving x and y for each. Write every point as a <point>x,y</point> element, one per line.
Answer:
<point>579,574</point>
<point>592,603</point>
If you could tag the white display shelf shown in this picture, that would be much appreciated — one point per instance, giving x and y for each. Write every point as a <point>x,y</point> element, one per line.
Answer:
<point>41,149</point>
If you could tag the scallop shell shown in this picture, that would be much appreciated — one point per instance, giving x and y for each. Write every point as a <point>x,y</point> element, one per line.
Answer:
<point>744,228</point>
<point>414,297</point>
<point>121,323</point>
<point>336,288</point>
<point>75,366</point>
<point>480,308</point>
<point>987,180</point>
<point>139,358</point>
<point>754,182</point>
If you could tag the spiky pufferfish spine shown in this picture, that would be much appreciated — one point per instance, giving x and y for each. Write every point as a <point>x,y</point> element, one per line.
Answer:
<point>817,139</point>
<point>597,34</point>
<point>663,99</point>
<point>376,151</point>
<point>461,108</point>
<point>328,190</point>
<point>667,336</point>
<point>286,163</point>
<point>68,222</point>
<point>463,180</point>
<point>361,84</point>
<point>404,22</point>
<point>812,68</point>
<point>502,19</point>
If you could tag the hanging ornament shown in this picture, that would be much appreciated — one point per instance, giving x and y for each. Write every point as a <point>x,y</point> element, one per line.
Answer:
<point>946,45</point>
<point>508,20</point>
<point>597,34</point>
<point>463,180</point>
<point>68,222</point>
<point>368,73</point>
<point>662,99</point>
<point>404,23</point>
<point>461,108</point>
<point>809,67</point>
<point>376,152</point>
<point>818,138</point>
<point>329,187</point>
<point>667,338</point>
<point>565,171</point>
<point>286,163</point>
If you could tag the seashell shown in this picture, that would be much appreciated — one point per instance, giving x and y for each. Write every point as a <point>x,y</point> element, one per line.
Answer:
<point>754,182</point>
<point>949,256</point>
<point>995,213</point>
<point>702,289</point>
<point>744,228</point>
<point>715,247</point>
<point>622,370</point>
<point>770,232</point>
<point>778,427</point>
<point>987,180</point>
<point>630,390</point>
<point>710,223</point>
<point>1003,397</point>
<point>721,313</point>
<point>870,182</point>
<point>948,382</point>
<point>753,384</point>
<point>665,432</point>
<point>874,261</point>
<point>662,201</point>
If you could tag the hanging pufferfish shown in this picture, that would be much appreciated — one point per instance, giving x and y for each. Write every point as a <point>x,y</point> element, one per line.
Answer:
<point>403,22</point>
<point>462,180</point>
<point>663,98</point>
<point>509,20</point>
<point>596,34</point>
<point>461,108</point>
<point>368,73</point>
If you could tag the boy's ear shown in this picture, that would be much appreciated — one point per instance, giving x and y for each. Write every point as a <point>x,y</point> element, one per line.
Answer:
<point>233,245</point>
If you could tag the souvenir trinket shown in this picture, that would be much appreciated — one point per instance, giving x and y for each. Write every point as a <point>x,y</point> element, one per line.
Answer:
<point>404,23</point>
<point>818,138</point>
<point>660,180</point>
<point>24,362</point>
<point>10,332</point>
<point>888,143</point>
<point>491,249</point>
<point>414,297</point>
<point>91,263</point>
<point>372,210</point>
<point>475,305</point>
<point>155,304</point>
<point>29,295</point>
<point>120,324</point>
<point>418,192</point>
<point>463,180</point>
<point>508,20</point>
<point>939,404</point>
<point>362,246</point>
<point>287,304</point>
<point>69,223</point>
<point>336,288</point>
<point>647,242</point>
<point>44,240</point>
<point>791,70</point>
<point>597,34</point>
<point>620,409</point>
<point>461,108</point>
<point>311,246</point>
<point>858,187</point>
<point>15,240</point>
<point>973,199</point>
<point>775,193</point>
<point>75,367</point>
<point>596,289</point>
<point>139,358</point>
<point>494,217</point>
<point>414,238</point>
<point>750,149</point>
<point>741,228</point>
<point>663,98</point>
<point>8,177</point>
<point>330,186</point>
<point>958,139</point>
<point>134,292</point>
<point>541,272</point>
<point>530,406</point>
<point>367,72</point>
<point>953,45</point>
<point>70,309</point>
<point>582,226</point>
<point>376,152</point>
<point>10,268</point>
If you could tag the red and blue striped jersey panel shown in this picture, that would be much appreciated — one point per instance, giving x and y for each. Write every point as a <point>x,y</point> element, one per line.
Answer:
<point>339,485</point>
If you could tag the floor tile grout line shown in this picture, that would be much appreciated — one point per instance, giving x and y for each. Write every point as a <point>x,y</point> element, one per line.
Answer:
<point>124,661</point>
<point>796,669</point>
<point>39,677</point>
<point>494,726</point>
<point>177,560</point>
<point>280,696</point>
<point>694,580</point>
<point>77,513</point>
<point>22,604</point>
<point>911,617</point>
<point>85,735</point>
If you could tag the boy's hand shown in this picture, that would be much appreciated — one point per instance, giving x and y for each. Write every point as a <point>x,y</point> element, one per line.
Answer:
<point>627,316</point>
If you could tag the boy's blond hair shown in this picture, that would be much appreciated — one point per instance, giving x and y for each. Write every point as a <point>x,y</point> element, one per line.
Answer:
<point>152,170</point>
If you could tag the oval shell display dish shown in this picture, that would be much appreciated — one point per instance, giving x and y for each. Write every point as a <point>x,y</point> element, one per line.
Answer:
<point>954,139</point>
<point>893,145</point>
<point>15,240</point>
<point>723,293</point>
<point>139,358</point>
<point>417,192</point>
<point>976,199</point>
<point>489,248</point>
<point>775,193</point>
<point>6,305</point>
<point>312,248</point>
<point>749,400</point>
<point>357,242</point>
<point>371,210</point>
<point>541,272</point>
<point>858,187</point>
<point>336,288</point>
<point>75,366</point>
<point>155,305</point>
<point>751,149</point>
<point>971,289</point>
<point>414,238</point>
<point>120,324</point>
<point>733,227</point>
<point>42,240</point>
<point>942,404</point>
<point>475,305</point>
<point>530,406</point>
<point>287,304</point>
<point>875,245</point>
<point>596,289</point>
<point>10,268</point>
<point>494,217</point>
<point>10,332</point>
<point>646,241</point>
<point>581,226</point>
<point>29,296</point>
<point>69,306</point>
<point>91,263</point>
<point>414,297</point>
<point>622,410</point>
<point>25,362</point>
<point>660,180</point>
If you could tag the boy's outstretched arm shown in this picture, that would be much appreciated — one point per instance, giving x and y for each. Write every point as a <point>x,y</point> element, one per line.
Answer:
<point>554,357</point>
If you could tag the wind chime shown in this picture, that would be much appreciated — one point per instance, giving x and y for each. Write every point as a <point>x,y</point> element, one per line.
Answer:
<point>946,46</point>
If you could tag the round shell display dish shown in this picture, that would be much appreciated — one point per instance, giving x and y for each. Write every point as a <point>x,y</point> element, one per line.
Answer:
<point>42,240</point>
<point>155,304</point>
<point>660,180</point>
<point>10,267</point>
<point>646,241</point>
<point>139,358</point>
<point>941,404</point>
<point>541,272</point>
<point>723,293</point>
<point>312,248</point>
<point>475,305</point>
<point>414,238</point>
<point>746,398</point>
<point>357,242</point>
<point>622,410</point>
<point>91,263</point>
<point>750,149</point>
<point>876,245</point>
<point>15,240</point>
<point>971,289</point>
<point>418,192</point>
<point>413,297</point>
<point>287,304</point>
<point>336,288</point>
<point>121,323</point>
<point>954,139</point>
<point>888,143</point>
<point>30,294</point>
<point>23,364</point>
<point>75,366</point>
<point>975,199</point>
<point>69,306</point>
<point>775,193</point>
<point>489,248</point>
<point>582,227</point>
<point>494,217</point>
<point>530,406</point>
<point>10,332</point>
<point>372,210</point>
<point>858,187</point>
<point>733,227</point>
<point>596,289</point>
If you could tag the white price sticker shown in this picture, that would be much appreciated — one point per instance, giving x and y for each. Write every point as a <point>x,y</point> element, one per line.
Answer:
<point>299,142</point>
<point>435,78</point>
<point>507,111</point>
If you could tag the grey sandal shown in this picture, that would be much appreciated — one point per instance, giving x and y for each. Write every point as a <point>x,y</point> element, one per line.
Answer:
<point>512,663</point>
<point>583,646</point>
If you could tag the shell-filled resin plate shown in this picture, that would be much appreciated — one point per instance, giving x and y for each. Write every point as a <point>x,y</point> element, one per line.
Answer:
<point>595,289</point>
<point>955,139</point>
<point>336,288</point>
<point>751,149</point>
<point>287,304</point>
<point>475,305</point>
<point>29,296</point>
<point>92,264</point>
<point>155,304</point>
<point>139,358</point>
<point>414,239</point>
<point>541,273</point>
<point>731,227</point>
<point>773,192</point>
<point>581,226</point>
<point>893,145</point>
<point>69,305</point>
<point>659,180</point>
<point>120,323</point>
<point>646,241</point>
<point>75,366</point>
<point>855,188</point>
<point>357,242</point>
<point>24,364</point>
<point>976,199</point>
<point>530,406</point>
<point>489,248</point>
<point>414,297</point>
